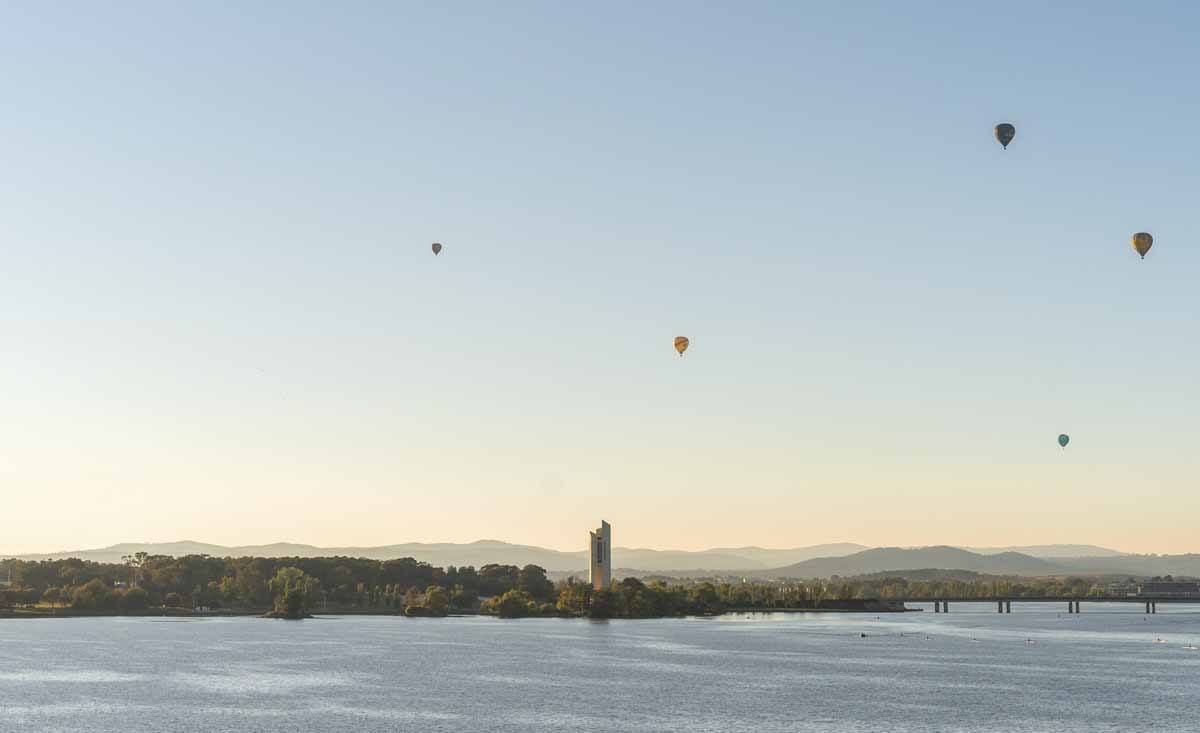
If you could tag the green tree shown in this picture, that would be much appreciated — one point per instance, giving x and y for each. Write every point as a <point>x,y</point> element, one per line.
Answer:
<point>293,602</point>
<point>705,599</point>
<point>573,598</point>
<point>93,595</point>
<point>463,598</point>
<point>135,599</point>
<point>604,604</point>
<point>514,604</point>
<point>436,600</point>
<point>293,590</point>
<point>532,579</point>
<point>53,596</point>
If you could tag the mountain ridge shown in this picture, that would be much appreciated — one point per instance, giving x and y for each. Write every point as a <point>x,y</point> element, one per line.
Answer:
<point>843,558</point>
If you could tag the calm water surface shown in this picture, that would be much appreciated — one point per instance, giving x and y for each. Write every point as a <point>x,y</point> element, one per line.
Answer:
<point>970,670</point>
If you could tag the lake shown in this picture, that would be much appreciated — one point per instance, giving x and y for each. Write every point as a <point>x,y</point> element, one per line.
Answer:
<point>969,670</point>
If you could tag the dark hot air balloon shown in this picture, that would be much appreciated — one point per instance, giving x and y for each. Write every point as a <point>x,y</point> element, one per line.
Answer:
<point>1005,134</point>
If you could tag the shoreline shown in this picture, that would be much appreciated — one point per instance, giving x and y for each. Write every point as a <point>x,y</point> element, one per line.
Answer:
<point>317,613</point>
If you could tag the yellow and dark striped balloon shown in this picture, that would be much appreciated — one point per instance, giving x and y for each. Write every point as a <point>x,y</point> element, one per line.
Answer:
<point>681,344</point>
<point>1141,243</point>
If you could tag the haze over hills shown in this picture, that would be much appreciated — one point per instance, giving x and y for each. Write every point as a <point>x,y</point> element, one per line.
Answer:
<point>481,553</point>
<point>843,559</point>
<point>884,559</point>
<point>898,559</point>
<point>1051,551</point>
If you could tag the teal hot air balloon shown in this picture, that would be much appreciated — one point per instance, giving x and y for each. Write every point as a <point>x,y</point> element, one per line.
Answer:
<point>1064,439</point>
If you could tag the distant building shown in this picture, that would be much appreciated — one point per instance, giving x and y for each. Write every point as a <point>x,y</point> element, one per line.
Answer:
<point>601,551</point>
<point>1169,588</point>
<point>1118,589</point>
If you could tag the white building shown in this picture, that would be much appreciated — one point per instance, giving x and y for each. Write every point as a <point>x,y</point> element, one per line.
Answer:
<point>601,550</point>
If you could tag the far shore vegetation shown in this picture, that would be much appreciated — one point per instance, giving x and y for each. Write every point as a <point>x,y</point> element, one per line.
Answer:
<point>300,587</point>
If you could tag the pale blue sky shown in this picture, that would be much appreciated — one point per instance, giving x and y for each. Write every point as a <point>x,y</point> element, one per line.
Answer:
<point>222,320</point>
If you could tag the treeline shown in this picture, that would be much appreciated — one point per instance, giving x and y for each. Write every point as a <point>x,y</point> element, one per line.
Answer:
<point>250,583</point>
<point>296,586</point>
<point>628,598</point>
<point>891,587</point>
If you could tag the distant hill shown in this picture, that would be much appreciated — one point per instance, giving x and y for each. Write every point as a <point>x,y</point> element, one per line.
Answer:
<point>822,561</point>
<point>1135,565</point>
<point>477,553</point>
<point>884,559</point>
<point>1047,552</point>
<point>480,553</point>
<point>769,558</point>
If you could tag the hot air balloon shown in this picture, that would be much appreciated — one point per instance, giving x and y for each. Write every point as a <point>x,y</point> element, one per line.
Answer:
<point>437,248</point>
<point>1005,134</point>
<point>681,344</point>
<point>1064,439</point>
<point>1142,243</point>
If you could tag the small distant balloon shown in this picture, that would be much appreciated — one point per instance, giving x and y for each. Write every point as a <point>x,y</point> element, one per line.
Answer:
<point>1064,439</point>
<point>1142,243</point>
<point>1005,134</point>
<point>437,248</point>
<point>681,344</point>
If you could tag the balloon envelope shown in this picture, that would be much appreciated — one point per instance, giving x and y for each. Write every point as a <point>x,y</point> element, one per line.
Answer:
<point>437,248</point>
<point>1141,243</point>
<point>1005,134</point>
<point>1064,439</point>
<point>681,344</point>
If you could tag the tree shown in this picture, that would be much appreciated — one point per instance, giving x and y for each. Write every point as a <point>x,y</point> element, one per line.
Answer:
<point>514,604</point>
<point>464,599</point>
<point>573,598</point>
<point>705,599</point>
<point>293,602</point>
<point>436,600</point>
<point>53,596</point>
<point>93,595</point>
<point>135,562</point>
<point>292,589</point>
<point>604,604</point>
<point>532,580</point>
<point>135,599</point>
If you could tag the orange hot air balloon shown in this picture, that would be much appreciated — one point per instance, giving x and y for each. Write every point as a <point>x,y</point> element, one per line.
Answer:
<point>437,248</point>
<point>1142,243</point>
<point>681,344</point>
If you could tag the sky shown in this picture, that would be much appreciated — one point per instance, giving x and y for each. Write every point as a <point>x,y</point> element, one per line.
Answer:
<point>221,319</point>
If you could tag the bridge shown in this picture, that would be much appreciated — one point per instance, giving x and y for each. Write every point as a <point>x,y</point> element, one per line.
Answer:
<point>1004,604</point>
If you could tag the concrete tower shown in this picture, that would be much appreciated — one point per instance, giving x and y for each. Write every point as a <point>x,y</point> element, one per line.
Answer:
<point>601,552</point>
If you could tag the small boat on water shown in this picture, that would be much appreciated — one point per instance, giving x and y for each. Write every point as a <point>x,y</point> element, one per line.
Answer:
<point>1160,641</point>
<point>1192,648</point>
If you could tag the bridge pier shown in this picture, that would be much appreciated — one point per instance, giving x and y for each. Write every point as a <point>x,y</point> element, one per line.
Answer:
<point>1153,606</point>
<point>999,606</point>
<point>945,606</point>
<point>1077,609</point>
<point>1008,606</point>
<point>1147,606</point>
